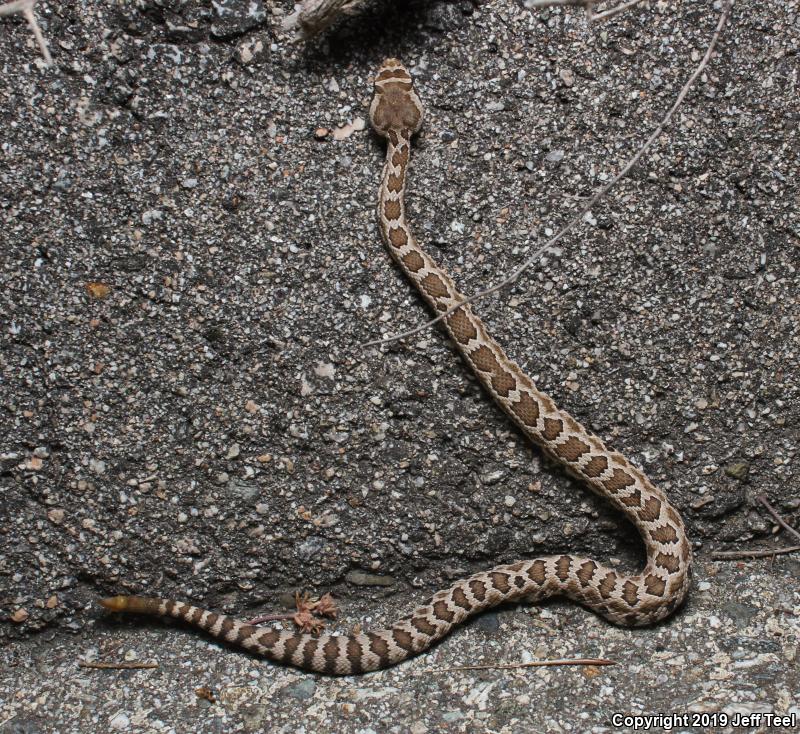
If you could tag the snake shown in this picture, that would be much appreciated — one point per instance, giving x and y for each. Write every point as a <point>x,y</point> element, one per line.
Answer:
<point>630,600</point>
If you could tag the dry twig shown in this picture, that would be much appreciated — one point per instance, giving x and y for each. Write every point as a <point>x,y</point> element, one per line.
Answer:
<point>762,498</point>
<point>115,666</point>
<point>313,16</point>
<point>587,5</point>
<point>598,195</point>
<point>738,555</point>
<point>26,8</point>
<point>532,664</point>
<point>606,14</point>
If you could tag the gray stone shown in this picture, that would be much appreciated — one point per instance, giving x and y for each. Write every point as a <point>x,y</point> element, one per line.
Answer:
<point>361,578</point>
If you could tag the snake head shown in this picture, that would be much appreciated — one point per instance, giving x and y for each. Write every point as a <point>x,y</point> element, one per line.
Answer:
<point>395,105</point>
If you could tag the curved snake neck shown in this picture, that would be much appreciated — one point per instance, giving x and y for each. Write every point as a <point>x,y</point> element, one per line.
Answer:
<point>396,113</point>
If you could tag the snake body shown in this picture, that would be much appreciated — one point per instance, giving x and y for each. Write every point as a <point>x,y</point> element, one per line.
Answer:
<point>396,114</point>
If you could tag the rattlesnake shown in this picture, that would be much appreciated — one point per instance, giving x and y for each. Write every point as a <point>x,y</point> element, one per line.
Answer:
<point>396,114</point>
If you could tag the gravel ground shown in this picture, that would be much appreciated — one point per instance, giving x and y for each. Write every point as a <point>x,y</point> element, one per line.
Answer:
<point>190,264</point>
<point>719,658</point>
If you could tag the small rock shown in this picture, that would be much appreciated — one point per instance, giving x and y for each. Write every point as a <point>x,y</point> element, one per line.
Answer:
<point>443,16</point>
<point>98,291</point>
<point>56,516</point>
<point>151,215</point>
<point>324,369</point>
<point>567,77</point>
<point>97,466</point>
<point>302,690</point>
<point>345,131</point>
<point>235,18</point>
<point>310,548</point>
<point>250,51</point>
<point>738,470</point>
<point>246,490</point>
<point>120,722</point>
<point>740,613</point>
<point>493,477</point>
<point>451,716</point>
<point>19,616</point>
<point>360,578</point>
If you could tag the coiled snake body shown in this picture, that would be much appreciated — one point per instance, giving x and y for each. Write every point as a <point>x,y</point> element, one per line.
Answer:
<point>396,113</point>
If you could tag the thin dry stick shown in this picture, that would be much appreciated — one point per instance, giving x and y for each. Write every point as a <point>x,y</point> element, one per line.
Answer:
<point>762,498</point>
<point>589,205</point>
<point>313,16</point>
<point>26,8</point>
<point>532,664</point>
<point>606,14</point>
<point>588,5</point>
<point>278,617</point>
<point>116,666</point>
<point>736,555</point>
<point>537,4</point>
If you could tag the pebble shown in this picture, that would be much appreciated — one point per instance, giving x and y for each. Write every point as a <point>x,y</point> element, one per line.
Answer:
<point>120,722</point>
<point>19,615</point>
<point>302,690</point>
<point>233,17</point>
<point>567,76</point>
<point>361,578</point>
<point>738,470</point>
<point>97,466</point>
<point>56,515</point>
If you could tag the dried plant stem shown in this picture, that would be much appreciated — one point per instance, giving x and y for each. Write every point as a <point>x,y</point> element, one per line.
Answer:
<point>737,555</point>
<point>606,14</point>
<point>116,666</point>
<point>762,498</point>
<point>532,664</point>
<point>588,5</point>
<point>278,617</point>
<point>25,7</point>
<point>538,4</point>
<point>314,16</point>
<point>598,195</point>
